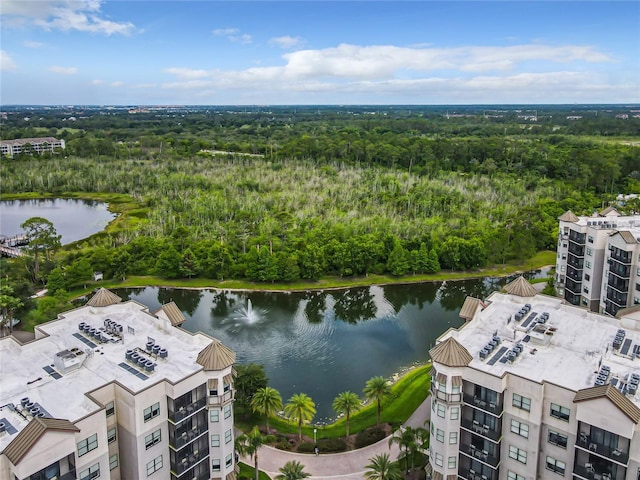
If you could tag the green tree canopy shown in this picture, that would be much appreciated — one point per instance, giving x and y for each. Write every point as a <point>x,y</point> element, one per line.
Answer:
<point>300,408</point>
<point>266,401</point>
<point>346,403</point>
<point>377,389</point>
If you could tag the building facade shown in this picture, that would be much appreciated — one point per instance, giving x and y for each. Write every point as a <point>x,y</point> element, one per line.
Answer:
<point>111,390</point>
<point>532,388</point>
<point>11,148</point>
<point>598,261</point>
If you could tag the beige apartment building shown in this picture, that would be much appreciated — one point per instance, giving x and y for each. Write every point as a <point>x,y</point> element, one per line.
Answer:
<point>598,260</point>
<point>111,390</point>
<point>11,148</point>
<point>531,387</point>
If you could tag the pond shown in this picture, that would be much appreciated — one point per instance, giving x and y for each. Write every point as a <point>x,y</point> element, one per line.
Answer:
<point>323,343</point>
<point>73,219</point>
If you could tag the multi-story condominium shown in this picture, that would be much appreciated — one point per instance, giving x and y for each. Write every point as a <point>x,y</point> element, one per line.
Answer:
<point>533,388</point>
<point>11,148</point>
<point>598,260</point>
<point>111,390</point>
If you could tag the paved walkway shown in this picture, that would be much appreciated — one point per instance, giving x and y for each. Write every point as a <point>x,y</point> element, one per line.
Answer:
<point>337,466</point>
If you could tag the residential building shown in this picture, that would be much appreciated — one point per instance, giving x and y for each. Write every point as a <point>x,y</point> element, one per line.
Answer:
<point>111,390</point>
<point>11,148</point>
<point>533,388</point>
<point>598,259</point>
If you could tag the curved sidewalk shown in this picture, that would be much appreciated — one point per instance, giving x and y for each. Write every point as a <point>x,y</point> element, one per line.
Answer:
<point>337,466</point>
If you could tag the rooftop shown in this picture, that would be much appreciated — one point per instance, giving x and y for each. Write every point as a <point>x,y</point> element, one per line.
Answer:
<point>599,221</point>
<point>22,141</point>
<point>56,371</point>
<point>579,341</point>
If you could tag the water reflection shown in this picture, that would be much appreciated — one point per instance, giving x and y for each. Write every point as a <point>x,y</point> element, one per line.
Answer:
<point>325,342</point>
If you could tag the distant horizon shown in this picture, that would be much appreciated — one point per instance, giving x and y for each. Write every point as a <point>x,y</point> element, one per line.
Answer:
<point>258,105</point>
<point>316,52</point>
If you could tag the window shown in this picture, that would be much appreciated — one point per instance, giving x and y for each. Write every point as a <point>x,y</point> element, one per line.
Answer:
<point>455,413</point>
<point>92,472</point>
<point>590,240</point>
<point>521,402</point>
<point>585,289</point>
<point>228,460</point>
<point>215,440</point>
<point>151,412</point>
<point>111,435</point>
<point>113,461</point>
<point>227,411</point>
<point>439,460</point>
<point>556,465</point>
<point>110,409</point>
<point>440,435</point>
<point>520,428</point>
<point>215,465</point>
<point>88,444</point>
<point>514,476</point>
<point>214,415</point>
<point>453,437</point>
<point>151,440</point>
<point>154,465</point>
<point>558,439</point>
<point>227,436</point>
<point>590,252</point>
<point>441,410</point>
<point>560,412</point>
<point>563,268</point>
<point>451,462</point>
<point>587,277</point>
<point>517,454</point>
<point>587,264</point>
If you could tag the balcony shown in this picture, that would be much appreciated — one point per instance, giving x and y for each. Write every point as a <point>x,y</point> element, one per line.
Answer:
<point>575,262</point>
<point>620,285</point>
<point>573,286</point>
<point>446,397</point>
<point>621,256</point>
<point>617,298</point>
<point>475,427</point>
<point>185,438</point>
<point>471,474</point>
<point>617,455</point>
<point>221,399</point>
<point>618,269</point>
<point>577,237</point>
<point>190,461</point>
<point>575,249</point>
<point>487,406</point>
<point>186,411</point>
<point>589,472</point>
<point>479,454</point>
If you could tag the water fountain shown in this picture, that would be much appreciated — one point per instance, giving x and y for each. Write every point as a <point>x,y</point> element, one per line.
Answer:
<point>245,317</point>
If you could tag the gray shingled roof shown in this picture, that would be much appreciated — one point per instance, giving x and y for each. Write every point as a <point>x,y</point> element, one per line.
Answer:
<point>450,353</point>
<point>625,405</point>
<point>173,313</point>
<point>520,287</point>
<point>216,356</point>
<point>469,307</point>
<point>628,237</point>
<point>607,211</point>
<point>568,216</point>
<point>103,298</point>
<point>29,436</point>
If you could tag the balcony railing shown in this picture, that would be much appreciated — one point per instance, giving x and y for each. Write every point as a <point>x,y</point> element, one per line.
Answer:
<point>189,461</point>
<point>576,249</point>
<point>487,406</point>
<point>573,286</point>
<point>479,429</point>
<point>575,262</point>
<point>615,454</point>
<point>591,472</point>
<point>619,270</point>
<point>184,412</point>
<point>621,256</point>
<point>481,455</point>
<point>577,237</point>
<point>615,297</point>
<point>221,399</point>
<point>471,474</point>
<point>447,397</point>
<point>186,438</point>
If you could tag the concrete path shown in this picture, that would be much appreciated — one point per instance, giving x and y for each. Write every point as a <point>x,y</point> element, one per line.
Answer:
<point>337,466</point>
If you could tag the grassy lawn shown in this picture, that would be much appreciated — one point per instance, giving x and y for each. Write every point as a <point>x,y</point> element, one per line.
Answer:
<point>249,472</point>
<point>406,396</point>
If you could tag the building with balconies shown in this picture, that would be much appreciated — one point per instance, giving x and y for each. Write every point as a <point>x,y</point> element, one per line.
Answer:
<point>114,391</point>
<point>584,260</point>
<point>533,388</point>
<point>29,146</point>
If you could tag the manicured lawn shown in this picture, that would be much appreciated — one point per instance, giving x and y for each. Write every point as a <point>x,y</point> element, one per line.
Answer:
<point>249,472</point>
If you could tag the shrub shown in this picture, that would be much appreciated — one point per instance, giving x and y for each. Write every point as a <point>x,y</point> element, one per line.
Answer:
<point>281,442</point>
<point>369,436</point>
<point>326,445</point>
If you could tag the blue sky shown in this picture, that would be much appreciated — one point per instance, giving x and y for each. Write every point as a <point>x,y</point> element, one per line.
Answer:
<point>318,52</point>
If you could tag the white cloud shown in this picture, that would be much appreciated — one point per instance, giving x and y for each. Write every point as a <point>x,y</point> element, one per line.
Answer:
<point>33,44</point>
<point>285,41</point>
<point>6,62</point>
<point>144,85</point>
<point>233,35</point>
<point>187,73</point>
<point>63,70</point>
<point>117,83</point>
<point>97,82</point>
<point>81,15</point>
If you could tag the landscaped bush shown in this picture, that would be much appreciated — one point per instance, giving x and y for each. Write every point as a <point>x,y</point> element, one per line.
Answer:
<point>326,445</point>
<point>370,436</point>
<point>282,443</point>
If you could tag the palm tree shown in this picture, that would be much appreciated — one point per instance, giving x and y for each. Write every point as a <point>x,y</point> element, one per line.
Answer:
<point>249,444</point>
<point>377,389</point>
<point>382,468</point>
<point>300,408</point>
<point>292,470</point>
<point>412,440</point>
<point>266,401</point>
<point>347,402</point>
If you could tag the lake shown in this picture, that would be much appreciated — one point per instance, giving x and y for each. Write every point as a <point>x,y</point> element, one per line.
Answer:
<point>73,219</point>
<point>323,343</point>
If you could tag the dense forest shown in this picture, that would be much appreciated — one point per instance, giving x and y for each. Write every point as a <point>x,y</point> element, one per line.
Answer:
<point>287,193</point>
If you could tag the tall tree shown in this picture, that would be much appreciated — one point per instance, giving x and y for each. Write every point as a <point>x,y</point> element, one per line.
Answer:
<point>377,389</point>
<point>292,470</point>
<point>43,237</point>
<point>249,444</point>
<point>251,377</point>
<point>412,440</point>
<point>347,402</point>
<point>382,468</point>
<point>266,401</point>
<point>301,409</point>
<point>9,304</point>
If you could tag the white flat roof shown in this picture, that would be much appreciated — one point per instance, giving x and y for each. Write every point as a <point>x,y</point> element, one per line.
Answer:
<point>579,342</point>
<point>622,222</point>
<point>22,371</point>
